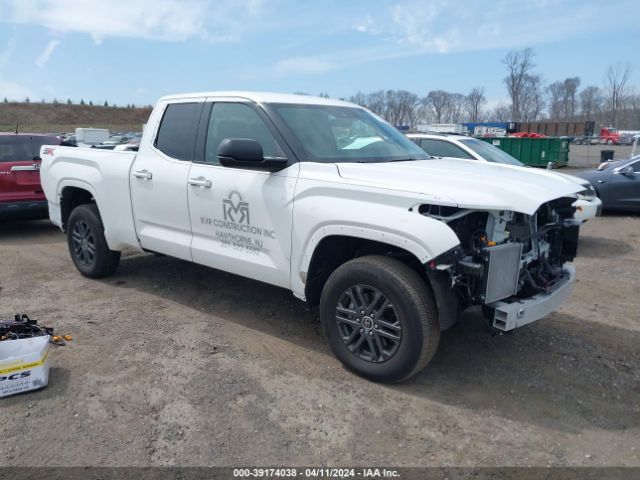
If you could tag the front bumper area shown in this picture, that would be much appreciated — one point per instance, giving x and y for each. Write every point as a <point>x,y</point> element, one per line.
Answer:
<point>511,314</point>
<point>587,209</point>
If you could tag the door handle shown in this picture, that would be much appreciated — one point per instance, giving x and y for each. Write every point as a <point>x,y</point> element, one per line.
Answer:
<point>200,182</point>
<point>145,174</point>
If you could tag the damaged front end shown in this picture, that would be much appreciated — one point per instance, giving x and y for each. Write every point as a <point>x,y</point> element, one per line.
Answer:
<point>512,264</point>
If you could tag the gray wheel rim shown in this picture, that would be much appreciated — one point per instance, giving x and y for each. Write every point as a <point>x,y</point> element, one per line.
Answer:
<point>368,323</point>
<point>84,243</point>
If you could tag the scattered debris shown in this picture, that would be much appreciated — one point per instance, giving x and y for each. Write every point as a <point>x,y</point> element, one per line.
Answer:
<point>24,354</point>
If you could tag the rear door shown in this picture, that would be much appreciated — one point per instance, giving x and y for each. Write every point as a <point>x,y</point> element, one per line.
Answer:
<point>20,167</point>
<point>159,181</point>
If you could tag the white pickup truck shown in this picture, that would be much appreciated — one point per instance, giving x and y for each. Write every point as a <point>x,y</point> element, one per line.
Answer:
<point>325,199</point>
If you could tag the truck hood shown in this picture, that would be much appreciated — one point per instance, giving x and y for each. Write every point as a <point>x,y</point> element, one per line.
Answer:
<point>465,183</point>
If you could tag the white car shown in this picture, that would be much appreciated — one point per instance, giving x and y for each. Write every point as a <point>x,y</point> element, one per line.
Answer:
<point>323,198</point>
<point>588,205</point>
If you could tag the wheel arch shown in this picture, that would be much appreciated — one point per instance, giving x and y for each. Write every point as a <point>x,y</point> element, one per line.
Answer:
<point>73,194</point>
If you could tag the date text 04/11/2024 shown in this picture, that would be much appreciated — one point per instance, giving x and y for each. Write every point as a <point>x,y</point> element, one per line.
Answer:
<point>315,473</point>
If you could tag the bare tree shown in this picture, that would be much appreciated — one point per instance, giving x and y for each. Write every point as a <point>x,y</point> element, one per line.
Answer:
<point>519,66</point>
<point>455,108</point>
<point>359,98</point>
<point>438,101</point>
<point>377,103</point>
<point>555,93</point>
<point>616,80</point>
<point>570,90</point>
<point>398,107</point>
<point>531,98</point>
<point>500,113</point>
<point>590,102</point>
<point>474,102</point>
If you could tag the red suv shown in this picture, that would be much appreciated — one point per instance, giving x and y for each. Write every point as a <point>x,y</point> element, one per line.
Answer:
<point>21,195</point>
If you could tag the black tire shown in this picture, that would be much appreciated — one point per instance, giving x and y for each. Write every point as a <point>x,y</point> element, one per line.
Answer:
<point>410,305</point>
<point>92,258</point>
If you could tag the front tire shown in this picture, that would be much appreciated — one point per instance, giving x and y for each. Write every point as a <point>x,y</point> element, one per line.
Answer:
<point>379,318</point>
<point>87,246</point>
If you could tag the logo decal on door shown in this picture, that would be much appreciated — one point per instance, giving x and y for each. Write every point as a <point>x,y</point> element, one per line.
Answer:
<point>235,209</point>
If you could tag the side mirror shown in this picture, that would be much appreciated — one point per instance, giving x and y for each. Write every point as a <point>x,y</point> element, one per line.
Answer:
<point>247,154</point>
<point>628,171</point>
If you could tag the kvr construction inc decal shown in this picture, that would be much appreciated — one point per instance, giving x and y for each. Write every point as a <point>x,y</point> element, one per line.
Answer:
<point>235,229</point>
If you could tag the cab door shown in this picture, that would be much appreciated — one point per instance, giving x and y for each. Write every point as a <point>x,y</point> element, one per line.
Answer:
<point>241,220</point>
<point>158,180</point>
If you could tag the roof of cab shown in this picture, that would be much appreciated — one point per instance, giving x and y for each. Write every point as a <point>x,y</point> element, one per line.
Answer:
<point>264,97</point>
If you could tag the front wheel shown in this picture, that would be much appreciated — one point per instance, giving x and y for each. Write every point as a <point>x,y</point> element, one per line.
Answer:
<point>379,318</point>
<point>87,245</point>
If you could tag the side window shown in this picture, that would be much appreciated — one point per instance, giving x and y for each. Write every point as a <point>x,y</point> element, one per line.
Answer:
<point>636,167</point>
<point>177,133</point>
<point>442,148</point>
<point>236,120</point>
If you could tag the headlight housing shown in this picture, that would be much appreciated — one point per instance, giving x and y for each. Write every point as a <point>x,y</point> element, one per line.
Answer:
<point>589,193</point>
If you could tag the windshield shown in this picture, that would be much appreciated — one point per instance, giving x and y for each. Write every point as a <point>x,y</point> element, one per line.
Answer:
<point>490,153</point>
<point>20,148</point>
<point>333,134</point>
<point>618,163</point>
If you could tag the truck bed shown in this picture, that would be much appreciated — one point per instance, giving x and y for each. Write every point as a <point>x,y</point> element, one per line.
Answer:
<point>104,173</point>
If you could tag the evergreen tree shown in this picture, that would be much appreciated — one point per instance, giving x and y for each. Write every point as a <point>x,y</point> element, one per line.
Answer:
<point>106,104</point>
<point>91,103</point>
<point>5,100</point>
<point>81,101</point>
<point>26,100</point>
<point>69,101</point>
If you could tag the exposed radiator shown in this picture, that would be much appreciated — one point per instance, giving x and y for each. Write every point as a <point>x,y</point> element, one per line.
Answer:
<point>503,271</point>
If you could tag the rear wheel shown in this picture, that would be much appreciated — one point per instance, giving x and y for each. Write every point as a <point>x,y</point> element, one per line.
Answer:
<point>379,318</point>
<point>87,245</point>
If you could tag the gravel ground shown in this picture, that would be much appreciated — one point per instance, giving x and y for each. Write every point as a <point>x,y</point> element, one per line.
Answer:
<point>177,364</point>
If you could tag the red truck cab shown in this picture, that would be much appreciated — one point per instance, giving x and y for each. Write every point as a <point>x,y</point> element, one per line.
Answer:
<point>610,135</point>
<point>21,195</point>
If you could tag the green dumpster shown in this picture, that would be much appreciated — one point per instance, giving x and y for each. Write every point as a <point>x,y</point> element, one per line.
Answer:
<point>537,152</point>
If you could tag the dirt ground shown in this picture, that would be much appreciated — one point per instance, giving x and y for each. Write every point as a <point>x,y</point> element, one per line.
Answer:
<point>177,364</point>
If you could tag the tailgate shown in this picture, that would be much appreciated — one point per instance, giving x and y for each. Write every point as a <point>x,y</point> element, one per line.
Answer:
<point>20,181</point>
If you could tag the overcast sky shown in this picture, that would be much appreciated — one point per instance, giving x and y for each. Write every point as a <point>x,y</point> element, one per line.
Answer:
<point>135,51</point>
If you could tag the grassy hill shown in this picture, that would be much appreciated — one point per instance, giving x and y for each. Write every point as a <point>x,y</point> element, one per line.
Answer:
<point>50,117</point>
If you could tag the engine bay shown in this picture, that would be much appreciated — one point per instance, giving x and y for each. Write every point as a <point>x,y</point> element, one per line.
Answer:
<point>505,254</point>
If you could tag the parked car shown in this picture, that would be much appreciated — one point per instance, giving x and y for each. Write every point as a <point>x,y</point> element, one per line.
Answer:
<point>70,140</point>
<point>116,140</point>
<point>21,195</point>
<point>390,244</point>
<point>617,184</point>
<point>588,205</point>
